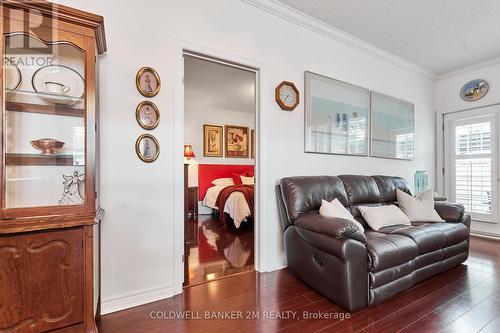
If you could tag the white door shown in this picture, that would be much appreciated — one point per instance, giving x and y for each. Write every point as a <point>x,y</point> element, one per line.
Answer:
<point>471,168</point>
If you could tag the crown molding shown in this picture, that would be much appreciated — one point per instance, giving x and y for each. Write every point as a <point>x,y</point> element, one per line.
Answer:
<point>292,15</point>
<point>467,69</point>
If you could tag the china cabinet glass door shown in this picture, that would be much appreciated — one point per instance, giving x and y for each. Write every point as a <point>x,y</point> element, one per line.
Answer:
<point>44,123</point>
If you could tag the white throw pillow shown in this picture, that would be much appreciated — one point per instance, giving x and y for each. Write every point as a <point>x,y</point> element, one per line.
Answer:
<point>418,208</point>
<point>223,182</point>
<point>335,209</point>
<point>383,216</point>
<point>247,180</point>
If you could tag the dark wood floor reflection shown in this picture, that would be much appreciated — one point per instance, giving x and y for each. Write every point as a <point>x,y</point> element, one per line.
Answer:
<point>465,299</point>
<point>214,251</point>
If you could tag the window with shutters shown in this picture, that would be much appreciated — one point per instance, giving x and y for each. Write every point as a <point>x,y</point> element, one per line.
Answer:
<point>473,173</point>
<point>472,166</point>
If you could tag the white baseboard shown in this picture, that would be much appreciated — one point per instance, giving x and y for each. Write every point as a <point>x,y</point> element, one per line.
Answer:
<point>137,298</point>
<point>486,235</point>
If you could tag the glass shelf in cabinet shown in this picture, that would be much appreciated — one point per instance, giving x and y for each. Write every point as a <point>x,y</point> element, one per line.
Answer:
<point>54,98</point>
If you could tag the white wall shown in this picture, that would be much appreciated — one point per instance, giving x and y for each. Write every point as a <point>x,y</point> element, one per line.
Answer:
<point>137,243</point>
<point>448,87</point>
<point>447,92</point>
<point>194,119</point>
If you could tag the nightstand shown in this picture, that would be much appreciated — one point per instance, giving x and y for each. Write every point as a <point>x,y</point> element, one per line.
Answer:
<point>192,202</point>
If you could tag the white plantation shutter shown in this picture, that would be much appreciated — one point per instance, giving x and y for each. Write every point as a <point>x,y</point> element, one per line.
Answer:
<point>473,184</point>
<point>473,164</point>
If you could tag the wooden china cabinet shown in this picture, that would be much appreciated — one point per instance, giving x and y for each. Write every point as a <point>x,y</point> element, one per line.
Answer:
<point>49,207</point>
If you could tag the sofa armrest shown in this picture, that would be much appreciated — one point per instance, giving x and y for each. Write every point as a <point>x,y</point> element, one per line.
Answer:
<point>331,226</point>
<point>450,212</point>
<point>343,249</point>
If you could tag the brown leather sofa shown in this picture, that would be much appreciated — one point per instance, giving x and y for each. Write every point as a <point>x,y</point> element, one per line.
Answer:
<point>356,269</point>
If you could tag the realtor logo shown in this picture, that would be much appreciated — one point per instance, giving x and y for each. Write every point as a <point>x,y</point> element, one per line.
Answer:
<point>32,27</point>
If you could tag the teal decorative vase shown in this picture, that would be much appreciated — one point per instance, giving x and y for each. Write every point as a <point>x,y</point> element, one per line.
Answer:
<point>421,181</point>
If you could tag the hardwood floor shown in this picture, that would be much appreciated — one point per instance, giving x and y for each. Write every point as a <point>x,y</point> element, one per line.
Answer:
<point>213,251</point>
<point>464,299</point>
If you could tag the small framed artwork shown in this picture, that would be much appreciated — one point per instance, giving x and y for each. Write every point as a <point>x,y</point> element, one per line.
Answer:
<point>147,115</point>
<point>236,141</point>
<point>252,144</point>
<point>212,141</point>
<point>148,82</point>
<point>147,148</point>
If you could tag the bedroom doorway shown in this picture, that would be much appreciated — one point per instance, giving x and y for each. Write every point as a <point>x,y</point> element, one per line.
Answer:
<point>220,106</point>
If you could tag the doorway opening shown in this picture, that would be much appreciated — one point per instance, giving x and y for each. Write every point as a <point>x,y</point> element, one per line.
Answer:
<point>220,105</point>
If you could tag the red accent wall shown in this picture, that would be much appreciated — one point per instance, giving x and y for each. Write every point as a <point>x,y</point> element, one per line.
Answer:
<point>208,172</point>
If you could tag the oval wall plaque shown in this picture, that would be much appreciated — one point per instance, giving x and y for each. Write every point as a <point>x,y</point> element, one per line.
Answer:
<point>474,90</point>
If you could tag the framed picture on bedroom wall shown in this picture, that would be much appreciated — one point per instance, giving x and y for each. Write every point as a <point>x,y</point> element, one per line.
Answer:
<point>236,141</point>
<point>212,141</point>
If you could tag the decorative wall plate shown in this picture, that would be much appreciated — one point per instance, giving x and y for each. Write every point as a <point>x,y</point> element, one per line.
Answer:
<point>148,82</point>
<point>147,148</point>
<point>147,115</point>
<point>13,76</point>
<point>59,84</point>
<point>474,90</point>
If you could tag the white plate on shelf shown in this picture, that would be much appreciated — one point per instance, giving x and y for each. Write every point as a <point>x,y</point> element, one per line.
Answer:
<point>67,77</point>
<point>13,76</point>
<point>59,99</point>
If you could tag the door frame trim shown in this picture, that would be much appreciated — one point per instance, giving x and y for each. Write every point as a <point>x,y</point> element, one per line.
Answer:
<point>440,145</point>
<point>477,113</point>
<point>181,48</point>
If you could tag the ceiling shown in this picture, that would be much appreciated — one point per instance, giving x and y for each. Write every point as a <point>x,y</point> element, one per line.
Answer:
<point>440,35</point>
<point>212,85</point>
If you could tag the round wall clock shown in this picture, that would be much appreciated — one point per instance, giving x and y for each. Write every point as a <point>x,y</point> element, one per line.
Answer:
<point>287,96</point>
<point>474,90</point>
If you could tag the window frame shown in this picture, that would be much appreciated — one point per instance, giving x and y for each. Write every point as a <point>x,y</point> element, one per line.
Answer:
<point>455,121</point>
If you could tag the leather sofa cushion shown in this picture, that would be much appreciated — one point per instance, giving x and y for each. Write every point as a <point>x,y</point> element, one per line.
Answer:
<point>380,278</point>
<point>427,240</point>
<point>360,189</point>
<point>387,186</point>
<point>388,250</point>
<point>454,232</point>
<point>431,236</point>
<point>304,194</point>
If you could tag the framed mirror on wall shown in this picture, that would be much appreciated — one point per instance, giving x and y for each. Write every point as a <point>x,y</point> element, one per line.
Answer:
<point>392,127</point>
<point>336,116</point>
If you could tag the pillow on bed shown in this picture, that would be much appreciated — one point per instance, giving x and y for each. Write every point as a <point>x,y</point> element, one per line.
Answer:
<point>223,182</point>
<point>247,180</point>
<point>237,179</point>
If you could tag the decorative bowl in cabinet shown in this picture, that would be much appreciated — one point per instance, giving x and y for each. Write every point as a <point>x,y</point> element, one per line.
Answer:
<point>48,146</point>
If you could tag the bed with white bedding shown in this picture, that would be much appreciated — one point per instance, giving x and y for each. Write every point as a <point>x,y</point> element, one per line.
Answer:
<point>236,204</point>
